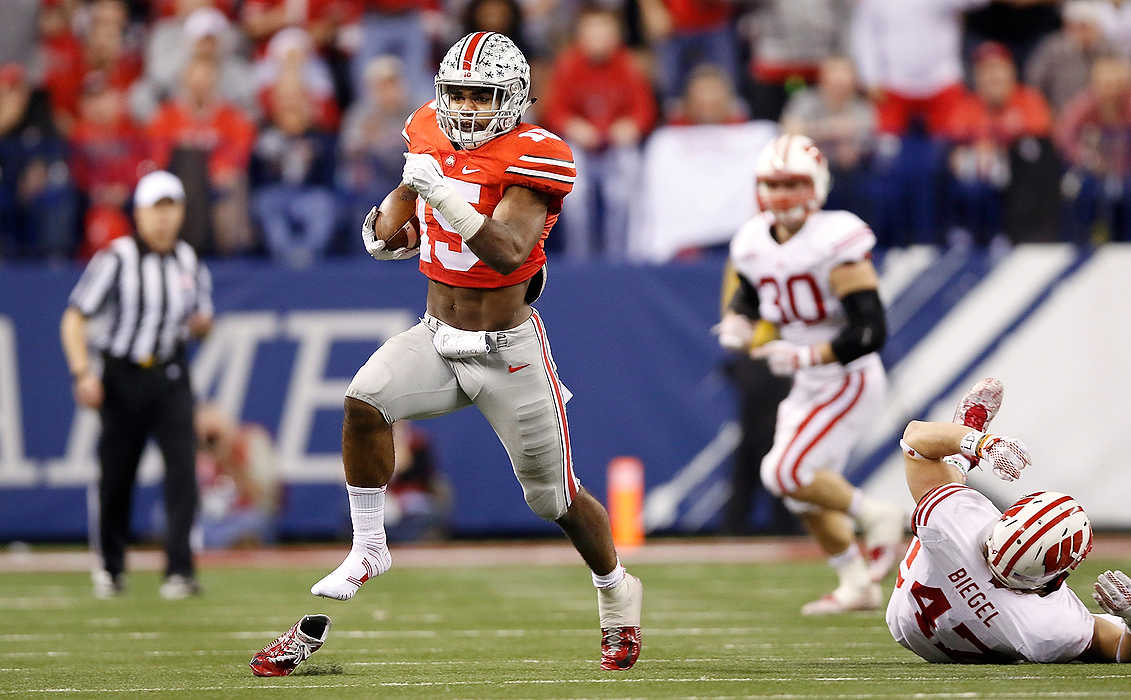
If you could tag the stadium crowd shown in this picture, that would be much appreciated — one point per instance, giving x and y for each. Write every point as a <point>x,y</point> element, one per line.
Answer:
<point>943,120</point>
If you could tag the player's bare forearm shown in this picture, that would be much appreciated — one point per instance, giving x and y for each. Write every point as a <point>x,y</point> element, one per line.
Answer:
<point>932,441</point>
<point>506,238</point>
<point>72,333</point>
<point>1109,643</point>
<point>397,208</point>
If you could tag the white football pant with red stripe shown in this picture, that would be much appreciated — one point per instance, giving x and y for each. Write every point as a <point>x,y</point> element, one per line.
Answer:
<point>818,424</point>
<point>514,385</point>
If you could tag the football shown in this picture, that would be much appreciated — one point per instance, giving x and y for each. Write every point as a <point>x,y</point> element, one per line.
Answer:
<point>407,236</point>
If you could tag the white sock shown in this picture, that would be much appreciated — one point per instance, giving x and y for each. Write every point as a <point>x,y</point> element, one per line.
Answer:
<point>610,579</point>
<point>369,556</point>
<point>850,567</point>
<point>367,511</point>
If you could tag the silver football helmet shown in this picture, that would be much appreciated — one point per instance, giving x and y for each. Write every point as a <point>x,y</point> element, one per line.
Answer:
<point>482,60</point>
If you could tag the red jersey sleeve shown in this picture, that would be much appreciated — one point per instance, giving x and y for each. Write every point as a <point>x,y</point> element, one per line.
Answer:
<point>542,161</point>
<point>420,130</point>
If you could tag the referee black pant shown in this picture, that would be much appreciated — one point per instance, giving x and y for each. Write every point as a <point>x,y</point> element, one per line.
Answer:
<point>143,402</point>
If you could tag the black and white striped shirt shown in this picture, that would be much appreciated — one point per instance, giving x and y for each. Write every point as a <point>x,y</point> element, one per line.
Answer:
<point>143,299</point>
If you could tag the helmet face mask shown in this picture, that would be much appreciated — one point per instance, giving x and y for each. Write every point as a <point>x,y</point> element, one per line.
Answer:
<point>482,89</point>
<point>1038,542</point>
<point>787,197</point>
<point>791,160</point>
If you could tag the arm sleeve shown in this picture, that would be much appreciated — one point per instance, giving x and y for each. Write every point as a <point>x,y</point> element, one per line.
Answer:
<point>866,330</point>
<point>96,283</point>
<point>745,299</point>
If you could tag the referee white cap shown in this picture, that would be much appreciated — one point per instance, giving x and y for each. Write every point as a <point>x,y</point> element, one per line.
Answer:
<point>158,185</point>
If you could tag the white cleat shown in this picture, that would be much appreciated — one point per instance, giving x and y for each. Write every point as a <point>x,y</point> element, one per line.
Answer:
<point>365,561</point>
<point>843,600</point>
<point>882,530</point>
<point>105,586</point>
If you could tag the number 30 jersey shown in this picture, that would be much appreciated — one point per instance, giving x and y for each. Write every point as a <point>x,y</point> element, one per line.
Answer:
<point>792,278</point>
<point>946,608</point>
<point>528,156</point>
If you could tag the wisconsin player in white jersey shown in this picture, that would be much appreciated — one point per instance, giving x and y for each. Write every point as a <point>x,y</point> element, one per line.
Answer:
<point>981,586</point>
<point>809,272</point>
<point>485,189</point>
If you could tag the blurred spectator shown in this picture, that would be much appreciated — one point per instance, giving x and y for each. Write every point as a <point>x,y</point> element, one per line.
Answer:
<point>791,39</point>
<point>418,503</point>
<point>291,56</point>
<point>103,51</point>
<point>400,28</point>
<point>262,19</point>
<point>206,142</point>
<point>107,152</point>
<point>689,32</point>
<point>910,60</point>
<point>843,124</point>
<point>196,29</point>
<point>18,32</point>
<point>602,104</point>
<point>236,467</point>
<point>1062,64</point>
<point>986,126</point>
<point>709,99</point>
<point>502,16</point>
<point>372,148</point>
<point>1094,134</point>
<point>37,204</point>
<point>292,173</point>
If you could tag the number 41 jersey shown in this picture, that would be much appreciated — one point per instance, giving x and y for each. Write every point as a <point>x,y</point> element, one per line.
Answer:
<point>946,608</point>
<point>527,156</point>
<point>792,278</point>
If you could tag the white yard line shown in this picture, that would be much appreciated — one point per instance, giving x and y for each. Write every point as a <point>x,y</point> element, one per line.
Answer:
<point>287,685</point>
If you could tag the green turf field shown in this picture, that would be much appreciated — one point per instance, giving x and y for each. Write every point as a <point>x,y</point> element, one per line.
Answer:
<point>709,631</point>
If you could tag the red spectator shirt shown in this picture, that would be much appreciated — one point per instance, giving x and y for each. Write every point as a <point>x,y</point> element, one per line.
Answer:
<point>527,156</point>
<point>599,93</point>
<point>106,155</point>
<point>698,15</point>
<point>223,130</point>
<point>1026,113</point>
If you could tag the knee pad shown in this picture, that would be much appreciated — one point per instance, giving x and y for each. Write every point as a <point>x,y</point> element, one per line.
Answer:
<point>546,501</point>
<point>367,386</point>
<point>538,463</point>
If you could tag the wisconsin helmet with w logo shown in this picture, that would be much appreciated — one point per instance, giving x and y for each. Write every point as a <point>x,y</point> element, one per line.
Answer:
<point>1038,541</point>
<point>483,60</point>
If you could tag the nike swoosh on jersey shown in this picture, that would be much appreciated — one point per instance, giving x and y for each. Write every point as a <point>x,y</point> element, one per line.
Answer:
<point>467,171</point>
<point>514,368</point>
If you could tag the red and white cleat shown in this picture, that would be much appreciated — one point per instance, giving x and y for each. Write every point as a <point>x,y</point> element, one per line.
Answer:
<point>619,609</point>
<point>979,406</point>
<point>844,600</point>
<point>282,656</point>
<point>882,531</point>
<point>620,647</point>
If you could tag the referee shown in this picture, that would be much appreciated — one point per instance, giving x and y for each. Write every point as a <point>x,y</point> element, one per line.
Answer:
<point>137,303</point>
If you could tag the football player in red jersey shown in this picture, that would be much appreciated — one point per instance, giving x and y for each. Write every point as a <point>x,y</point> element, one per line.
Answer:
<point>486,189</point>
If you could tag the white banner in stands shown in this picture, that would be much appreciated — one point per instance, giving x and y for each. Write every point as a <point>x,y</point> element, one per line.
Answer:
<point>698,187</point>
